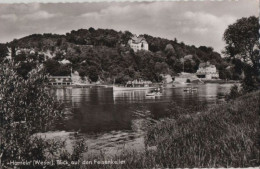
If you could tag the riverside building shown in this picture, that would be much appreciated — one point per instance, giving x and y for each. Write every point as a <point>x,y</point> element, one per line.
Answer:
<point>207,71</point>
<point>60,80</point>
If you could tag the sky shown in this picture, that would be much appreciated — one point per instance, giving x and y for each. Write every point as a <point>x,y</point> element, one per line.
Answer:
<point>194,23</point>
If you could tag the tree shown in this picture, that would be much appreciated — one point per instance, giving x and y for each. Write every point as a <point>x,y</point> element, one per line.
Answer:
<point>91,30</point>
<point>126,36</point>
<point>27,108</point>
<point>169,50</point>
<point>242,39</point>
<point>161,67</point>
<point>206,49</point>
<point>249,82</point>
<point>56,69</point>
<point>21,57</point>
<point>93,74</point>
<point>24,68</point>
<point>3,52</point>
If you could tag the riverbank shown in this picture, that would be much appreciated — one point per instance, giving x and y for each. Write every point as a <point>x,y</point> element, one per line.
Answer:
<point>77,86</point>
<point>221,81</point>
<point>167,85</point>
<point>225,135</point>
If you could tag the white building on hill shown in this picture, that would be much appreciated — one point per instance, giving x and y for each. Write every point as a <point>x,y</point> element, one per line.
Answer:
<point>207,71</point>
<point>138,43</point>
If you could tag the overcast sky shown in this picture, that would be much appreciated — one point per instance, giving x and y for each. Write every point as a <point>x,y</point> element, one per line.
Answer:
<point>194,23</point>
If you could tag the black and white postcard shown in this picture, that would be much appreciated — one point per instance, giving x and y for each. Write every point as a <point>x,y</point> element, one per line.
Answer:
<point>129,84</point>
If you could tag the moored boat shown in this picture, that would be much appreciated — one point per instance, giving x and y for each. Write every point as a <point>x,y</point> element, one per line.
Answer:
<point>190,89</point>
<point>134,85</point>
<point>154,92</point>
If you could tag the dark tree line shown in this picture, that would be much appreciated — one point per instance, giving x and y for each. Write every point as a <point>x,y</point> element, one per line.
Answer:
<point>104,54</point>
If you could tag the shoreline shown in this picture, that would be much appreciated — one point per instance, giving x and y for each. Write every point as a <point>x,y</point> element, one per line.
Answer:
<point>220,81</point>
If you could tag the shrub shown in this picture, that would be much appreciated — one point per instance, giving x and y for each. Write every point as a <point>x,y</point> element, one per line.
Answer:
<point>26,108</point>
<point>222,136</point>
<point>234,93</point>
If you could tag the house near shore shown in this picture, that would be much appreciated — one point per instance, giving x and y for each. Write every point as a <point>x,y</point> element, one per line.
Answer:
<point>184,77</point>
<point>138,43</point>
<point>60,80</point>
<point>73,79</point>
<point>138,83</point>
<point>207,71</point>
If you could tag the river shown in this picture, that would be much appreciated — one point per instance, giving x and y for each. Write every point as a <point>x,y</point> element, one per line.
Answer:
<point>107,121</point>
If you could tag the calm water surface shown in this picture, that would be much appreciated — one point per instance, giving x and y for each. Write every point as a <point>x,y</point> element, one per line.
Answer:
<point>106,118</point>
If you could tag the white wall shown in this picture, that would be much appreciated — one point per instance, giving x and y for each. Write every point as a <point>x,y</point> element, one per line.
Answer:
<point>138,46</point>
<point>210,72</point>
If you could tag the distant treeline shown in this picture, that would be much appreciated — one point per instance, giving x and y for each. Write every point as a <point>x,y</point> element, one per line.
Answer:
<point>103,54</point>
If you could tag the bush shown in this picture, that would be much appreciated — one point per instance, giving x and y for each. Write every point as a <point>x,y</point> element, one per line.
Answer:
<point>223,136</point>
<point>27,108</point>
<point>234,93</point>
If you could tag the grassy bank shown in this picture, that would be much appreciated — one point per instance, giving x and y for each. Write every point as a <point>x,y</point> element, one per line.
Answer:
<point>226,135</point>
<point>223,136</point>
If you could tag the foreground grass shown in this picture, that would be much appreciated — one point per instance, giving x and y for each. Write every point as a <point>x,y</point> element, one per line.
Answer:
<point>226,135</point>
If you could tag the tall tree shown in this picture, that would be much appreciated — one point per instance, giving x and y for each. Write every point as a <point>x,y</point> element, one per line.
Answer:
<point>242,39</point>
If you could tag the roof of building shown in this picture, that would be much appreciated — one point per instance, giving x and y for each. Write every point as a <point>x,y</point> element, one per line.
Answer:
<point>206,64</point>
<point>59,78</point>
<point>138,39</point>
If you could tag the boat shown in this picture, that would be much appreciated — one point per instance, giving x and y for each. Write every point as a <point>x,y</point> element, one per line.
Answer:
<point>134,85</point>
<point>190,89</point>
<point>154,92</point>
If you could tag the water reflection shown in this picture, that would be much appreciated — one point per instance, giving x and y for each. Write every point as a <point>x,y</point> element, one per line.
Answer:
<point>101,109</point>
<point>106,118</point>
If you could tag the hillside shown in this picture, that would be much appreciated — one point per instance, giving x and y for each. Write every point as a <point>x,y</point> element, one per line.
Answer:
<point>103,54</point>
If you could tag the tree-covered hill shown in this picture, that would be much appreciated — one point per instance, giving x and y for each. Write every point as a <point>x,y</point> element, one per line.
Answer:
<point>103,54</point>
